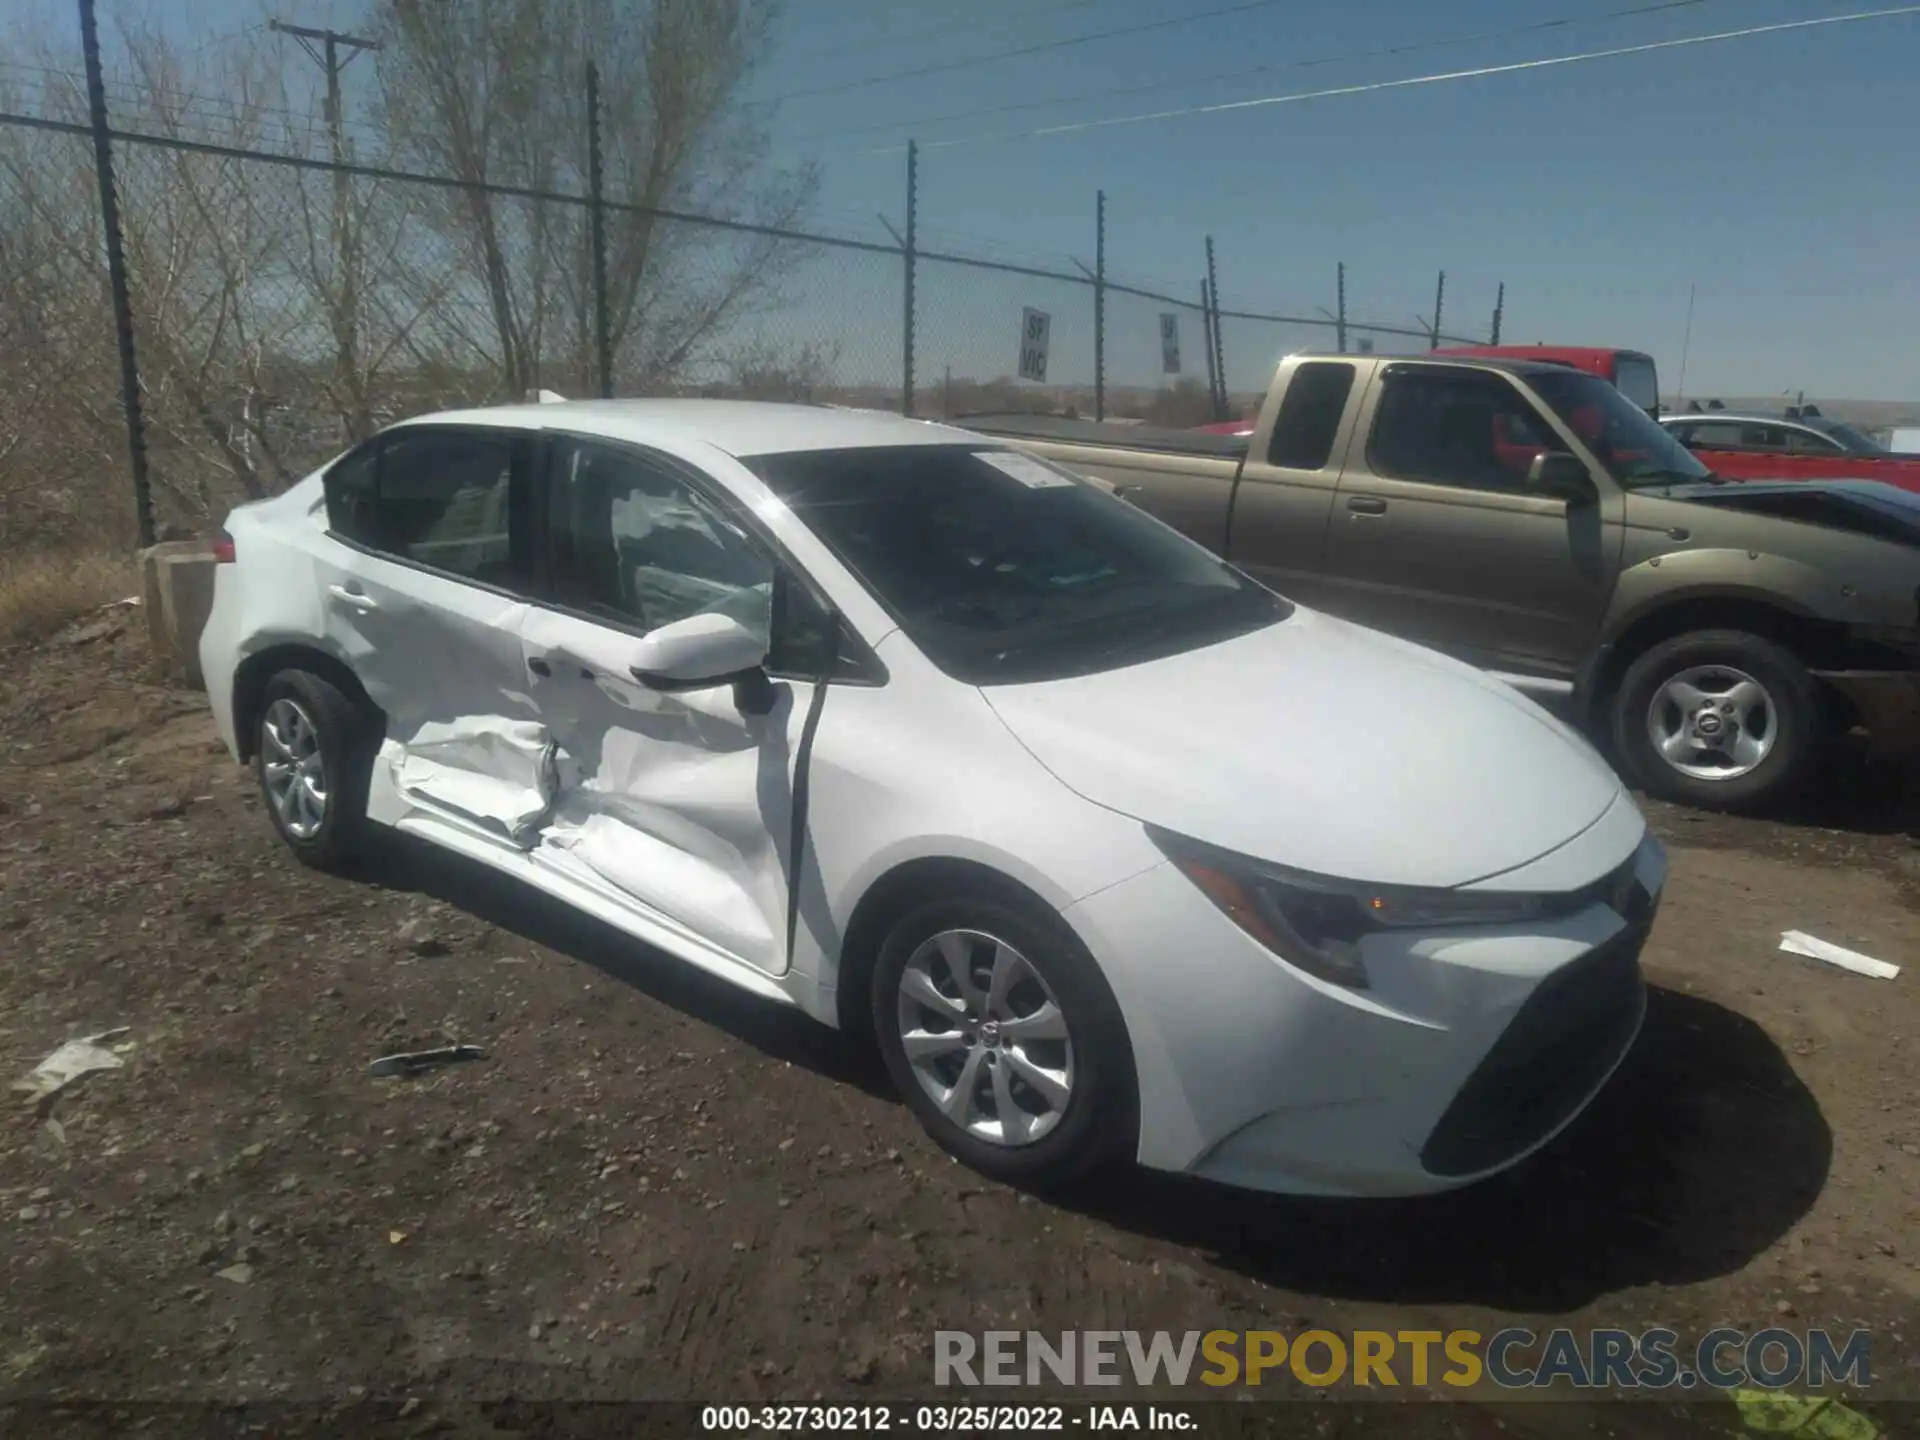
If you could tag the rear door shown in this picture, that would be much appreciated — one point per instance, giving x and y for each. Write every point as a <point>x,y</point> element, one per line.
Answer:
<point>678,807</point>
<point>425,583</point>
<point>1281,507</point>
<point>1436,536</point>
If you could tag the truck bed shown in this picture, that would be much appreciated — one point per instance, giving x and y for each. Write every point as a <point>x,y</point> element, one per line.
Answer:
<point>1065,431</point>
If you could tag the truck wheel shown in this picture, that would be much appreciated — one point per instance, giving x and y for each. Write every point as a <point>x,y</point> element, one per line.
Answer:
<point>1717,718</point>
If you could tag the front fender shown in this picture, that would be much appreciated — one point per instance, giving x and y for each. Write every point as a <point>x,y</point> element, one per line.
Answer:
<point>1723,573</point>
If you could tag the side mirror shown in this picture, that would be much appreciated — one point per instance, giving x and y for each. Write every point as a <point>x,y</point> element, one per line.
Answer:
<point>1564,476</point>
<point>704,652</point>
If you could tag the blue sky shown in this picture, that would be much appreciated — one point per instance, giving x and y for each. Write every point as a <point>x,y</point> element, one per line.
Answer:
<point>1773,173</point>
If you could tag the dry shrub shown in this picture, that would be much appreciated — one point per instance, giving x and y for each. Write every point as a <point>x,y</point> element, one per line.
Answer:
<point>42,590</point>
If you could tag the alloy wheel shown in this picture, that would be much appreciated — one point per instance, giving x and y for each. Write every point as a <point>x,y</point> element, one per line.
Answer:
<point>1712,722</point>
<point>985,1037</point>
<point>293,769</point>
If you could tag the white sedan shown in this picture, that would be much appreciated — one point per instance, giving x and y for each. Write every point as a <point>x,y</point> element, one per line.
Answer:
<point>1113,852</point>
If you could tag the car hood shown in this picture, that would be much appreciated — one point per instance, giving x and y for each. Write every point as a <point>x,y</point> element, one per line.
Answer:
<point>1860,507</point>
<point>1323,746</point>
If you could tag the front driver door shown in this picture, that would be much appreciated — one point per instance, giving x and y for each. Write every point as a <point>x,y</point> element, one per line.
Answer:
<point>1437,536</point>
<point>678,806</point>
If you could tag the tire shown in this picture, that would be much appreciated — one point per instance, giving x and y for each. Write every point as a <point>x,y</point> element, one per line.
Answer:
<point>1720,666</point>
<point>342,739</point>
<point>1098,1123</point>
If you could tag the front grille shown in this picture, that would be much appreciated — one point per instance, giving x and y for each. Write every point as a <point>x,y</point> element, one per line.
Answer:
<point>1549,1058</point>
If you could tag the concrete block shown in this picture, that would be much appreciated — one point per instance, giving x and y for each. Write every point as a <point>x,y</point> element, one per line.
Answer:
<point>177,588</point>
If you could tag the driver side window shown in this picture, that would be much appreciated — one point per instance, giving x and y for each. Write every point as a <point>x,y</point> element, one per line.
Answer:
<point>631,540</point>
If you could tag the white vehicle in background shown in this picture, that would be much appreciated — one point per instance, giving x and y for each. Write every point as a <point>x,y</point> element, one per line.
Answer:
<point>1113,851</point>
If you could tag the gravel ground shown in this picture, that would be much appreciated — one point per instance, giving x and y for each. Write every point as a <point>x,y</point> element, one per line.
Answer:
<point>651,1187</point>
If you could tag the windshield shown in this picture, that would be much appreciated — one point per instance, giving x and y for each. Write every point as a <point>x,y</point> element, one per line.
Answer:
<point>1857,442</point>
<point>1002,568</point>
<point>1633,446</point>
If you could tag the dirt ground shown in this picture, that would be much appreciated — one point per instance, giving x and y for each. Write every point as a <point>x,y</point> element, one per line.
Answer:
<point>651,1187</point>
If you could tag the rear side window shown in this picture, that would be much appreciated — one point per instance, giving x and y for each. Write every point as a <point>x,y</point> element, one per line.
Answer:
<point>1638,381</point>
<point>1309,419</point>
<point>447,500</point>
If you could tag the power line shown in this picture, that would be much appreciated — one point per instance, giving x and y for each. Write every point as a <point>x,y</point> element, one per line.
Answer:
<point>175,103</point>
<point>1229,75</point>
<point>1411,80</point>
<point>1035,49</point>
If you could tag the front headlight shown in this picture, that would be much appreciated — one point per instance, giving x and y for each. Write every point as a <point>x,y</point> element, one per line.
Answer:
<point>1316,922</point>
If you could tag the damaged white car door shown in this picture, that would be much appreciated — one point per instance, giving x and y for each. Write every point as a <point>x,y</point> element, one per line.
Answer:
<point>676,804</point>
<point>426,603</point>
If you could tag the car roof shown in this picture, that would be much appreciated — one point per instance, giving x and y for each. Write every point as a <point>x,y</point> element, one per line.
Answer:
<point>1751,417</point>
<point>740,428</point>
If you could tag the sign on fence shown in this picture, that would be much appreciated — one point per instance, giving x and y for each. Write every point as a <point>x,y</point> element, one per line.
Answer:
<point>1035,328</point>
<point>1170,342</point>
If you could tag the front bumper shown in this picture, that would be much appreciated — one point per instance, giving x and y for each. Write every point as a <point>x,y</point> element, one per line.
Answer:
<point>1472,1049</point>
<point>1886,702</point>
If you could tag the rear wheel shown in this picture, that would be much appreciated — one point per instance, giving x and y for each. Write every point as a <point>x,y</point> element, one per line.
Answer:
<point>313,757</point>
<point>1005,1041</point>
<point>1718,718</point>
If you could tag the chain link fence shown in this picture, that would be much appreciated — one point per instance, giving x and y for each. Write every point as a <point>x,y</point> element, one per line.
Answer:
<point>284,308</point>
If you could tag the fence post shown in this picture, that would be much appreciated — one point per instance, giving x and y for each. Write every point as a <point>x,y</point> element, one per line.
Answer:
<point>1219,346</point>
<point>1100,305</point>
<point>1499,305</point>
<point>907,250</point>
<point>1439,300</point>
<point>597,223</point>
<point>1206,344</point>
<point>117,274</point>
<point>1340,320</point>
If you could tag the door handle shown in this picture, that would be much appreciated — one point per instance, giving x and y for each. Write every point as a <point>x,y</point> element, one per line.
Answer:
<point>540,668</point>
<point>360,600</point>
<point>1366,505</point>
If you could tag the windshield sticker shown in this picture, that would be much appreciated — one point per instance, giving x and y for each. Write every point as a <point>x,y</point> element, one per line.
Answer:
<point>1034,474</point>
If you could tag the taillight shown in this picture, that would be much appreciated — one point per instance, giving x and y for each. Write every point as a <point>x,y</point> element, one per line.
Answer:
<point>223,549</point>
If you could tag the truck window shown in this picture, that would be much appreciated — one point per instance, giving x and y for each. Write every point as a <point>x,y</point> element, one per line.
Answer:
<point>1455,427</point>
<point>1309,419</point>
<point>1638,381</point>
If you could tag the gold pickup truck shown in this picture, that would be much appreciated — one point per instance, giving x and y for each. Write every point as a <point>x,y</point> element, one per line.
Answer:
<point>1530,519</point>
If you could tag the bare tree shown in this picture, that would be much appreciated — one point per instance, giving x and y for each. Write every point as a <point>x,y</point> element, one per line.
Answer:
<point>491,92</point>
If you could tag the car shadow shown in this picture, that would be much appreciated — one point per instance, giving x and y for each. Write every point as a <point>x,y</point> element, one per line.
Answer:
<point>1703,1149</point>
<point>405,864</point>
<point>1701,1152</point>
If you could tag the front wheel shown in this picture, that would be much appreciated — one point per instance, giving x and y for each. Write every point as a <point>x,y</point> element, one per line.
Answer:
<point>1718,718</point>
<point>1005,1041</point>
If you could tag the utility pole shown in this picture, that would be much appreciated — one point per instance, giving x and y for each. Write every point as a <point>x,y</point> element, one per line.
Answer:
<point>1439,302</point>
<point>117,272</point>
<point>346,318</point>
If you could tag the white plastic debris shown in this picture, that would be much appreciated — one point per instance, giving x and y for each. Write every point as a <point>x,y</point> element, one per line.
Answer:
<point>1794,942</point>
<point>69,1063</point>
